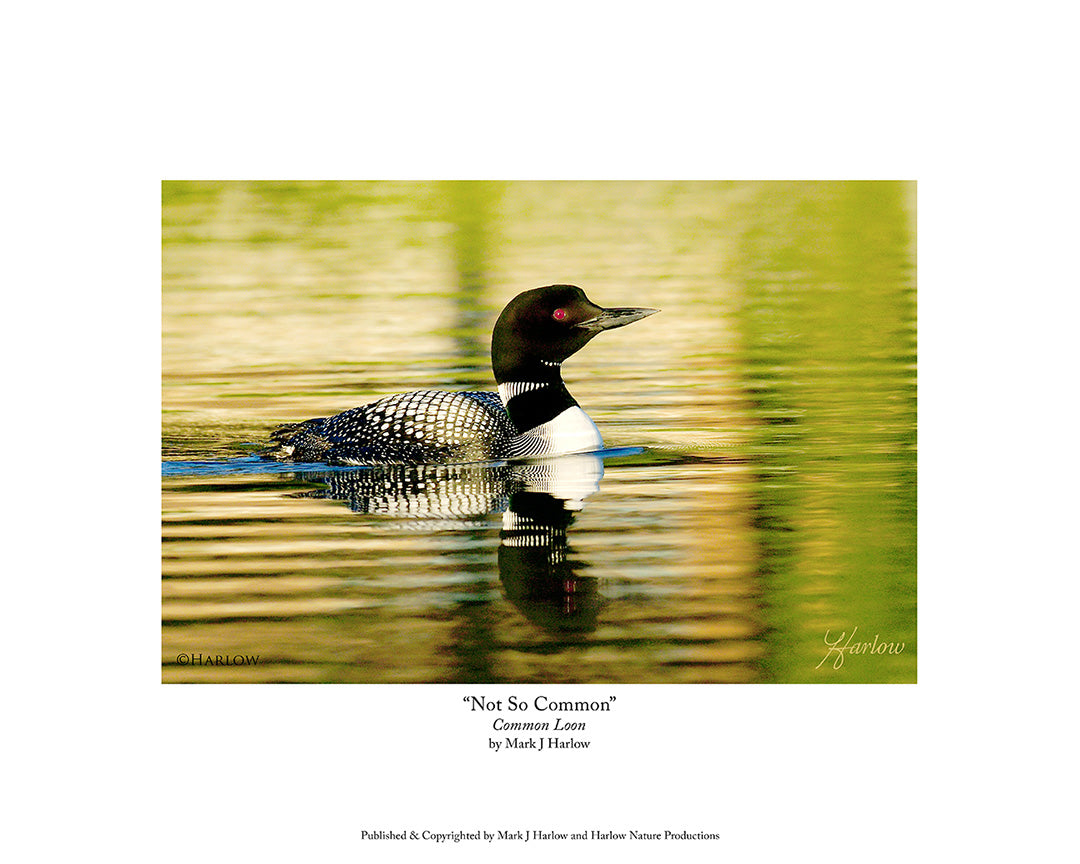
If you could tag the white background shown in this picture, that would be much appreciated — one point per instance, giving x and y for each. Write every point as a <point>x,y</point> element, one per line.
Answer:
<point>977,103</point>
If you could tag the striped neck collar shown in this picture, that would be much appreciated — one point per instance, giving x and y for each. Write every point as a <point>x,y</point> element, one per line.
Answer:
<point>533,403</point>
<point>511,389</point>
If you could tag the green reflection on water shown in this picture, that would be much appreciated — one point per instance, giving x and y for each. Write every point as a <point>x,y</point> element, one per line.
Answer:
<point>787,344</point>
<point>829,319</point>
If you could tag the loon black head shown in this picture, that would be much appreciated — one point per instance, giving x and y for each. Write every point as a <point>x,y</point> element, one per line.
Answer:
<point>539,329</point>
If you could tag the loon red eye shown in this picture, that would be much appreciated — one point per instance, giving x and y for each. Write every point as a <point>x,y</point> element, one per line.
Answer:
<point>559,314</point>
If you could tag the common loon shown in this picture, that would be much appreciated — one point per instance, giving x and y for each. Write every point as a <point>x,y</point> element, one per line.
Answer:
<point>532,415</point>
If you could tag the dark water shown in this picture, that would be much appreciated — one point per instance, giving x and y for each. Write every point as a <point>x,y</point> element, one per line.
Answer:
<point>759,497</point>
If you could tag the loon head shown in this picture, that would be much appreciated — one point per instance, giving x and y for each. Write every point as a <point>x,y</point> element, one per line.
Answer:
<point>540,328</point>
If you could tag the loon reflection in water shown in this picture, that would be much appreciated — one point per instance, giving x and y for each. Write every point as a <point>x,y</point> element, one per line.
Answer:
<point>538,500</point>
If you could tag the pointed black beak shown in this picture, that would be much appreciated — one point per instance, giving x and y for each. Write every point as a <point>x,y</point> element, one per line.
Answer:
<point>611,318</point>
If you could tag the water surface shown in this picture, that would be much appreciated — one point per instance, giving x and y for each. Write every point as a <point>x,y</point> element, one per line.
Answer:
<point>759,497</point>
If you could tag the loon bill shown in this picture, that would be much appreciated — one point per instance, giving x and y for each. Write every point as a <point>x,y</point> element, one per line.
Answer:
<point>532,415</point>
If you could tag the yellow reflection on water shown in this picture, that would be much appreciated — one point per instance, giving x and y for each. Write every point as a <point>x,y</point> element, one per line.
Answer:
<point>783,361</point>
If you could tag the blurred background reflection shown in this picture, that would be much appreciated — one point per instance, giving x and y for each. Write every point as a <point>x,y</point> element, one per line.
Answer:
<point>774,397</point>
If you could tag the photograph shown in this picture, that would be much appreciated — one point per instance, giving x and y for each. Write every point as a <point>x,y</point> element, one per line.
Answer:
<point>539,432</point>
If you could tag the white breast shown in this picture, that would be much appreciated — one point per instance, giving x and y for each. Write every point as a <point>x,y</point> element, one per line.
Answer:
<point>570,432</point>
